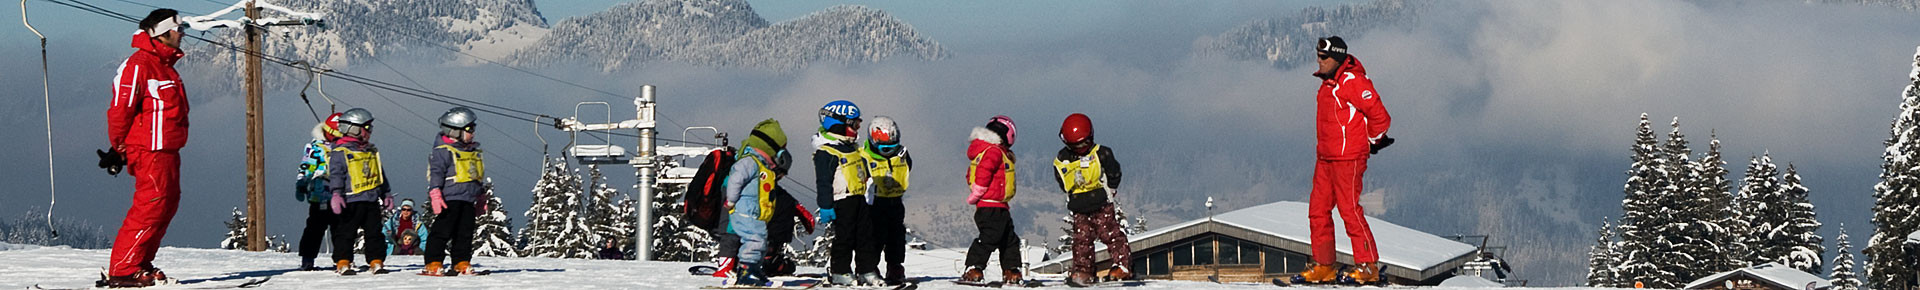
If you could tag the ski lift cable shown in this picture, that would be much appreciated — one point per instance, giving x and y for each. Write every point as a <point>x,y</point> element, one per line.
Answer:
<point>365,81</point>
<point>613,96</point>
<point>418,84</point>
<point>422,140</point>
<point>46,98</point>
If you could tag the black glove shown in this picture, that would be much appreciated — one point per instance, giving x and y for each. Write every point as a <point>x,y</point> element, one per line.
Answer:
<point>1382,143</point>
<point>112,161</point>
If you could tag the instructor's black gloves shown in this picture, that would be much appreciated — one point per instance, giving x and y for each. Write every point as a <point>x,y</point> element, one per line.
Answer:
<point>112,161</point>
<point>1380,144</point>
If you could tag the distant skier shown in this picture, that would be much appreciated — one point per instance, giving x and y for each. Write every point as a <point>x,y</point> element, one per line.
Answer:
<point>750,188</point>
<point>457,191</point>
<point>841,179</point>
<point>1090,176</point>
<point>360,193</point>
<point>888,166</point>
<point>401,221</point>
<point>990,182</point>
<point>311,188</point>
<point>1351,124</point>
<point>147,122</point>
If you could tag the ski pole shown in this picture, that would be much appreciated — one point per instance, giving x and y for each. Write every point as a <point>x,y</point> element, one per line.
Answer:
<point>46,98</point>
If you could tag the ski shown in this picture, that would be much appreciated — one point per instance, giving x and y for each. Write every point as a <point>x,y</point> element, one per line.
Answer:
<point>994,284</point>
<point>902,286</point>
<point>808,285</point>
<point>1111,284</point>
<point>249,283</point>
<point>703,270</point>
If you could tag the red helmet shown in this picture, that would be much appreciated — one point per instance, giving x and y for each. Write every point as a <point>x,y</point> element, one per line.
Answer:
<point>333,126</point>
<point>1076,129</point>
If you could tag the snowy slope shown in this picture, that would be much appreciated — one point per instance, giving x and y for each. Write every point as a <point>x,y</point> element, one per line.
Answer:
<point>25,266</point>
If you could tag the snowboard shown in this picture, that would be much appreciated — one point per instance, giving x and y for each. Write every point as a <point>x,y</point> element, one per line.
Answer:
<point>703,270</point>
<point>249,283</point>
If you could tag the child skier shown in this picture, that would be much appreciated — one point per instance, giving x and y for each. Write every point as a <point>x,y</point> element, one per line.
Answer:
<point>456,178</point>
<point>888,165</point>
<point>750,187</point>
<point>359,191</point>
<point>841,180</point>
<point>990,180</point>
<point>1091,177</point>
<point>311,187</point>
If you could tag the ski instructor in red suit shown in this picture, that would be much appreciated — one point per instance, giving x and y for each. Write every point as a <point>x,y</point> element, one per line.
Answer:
<point>147,123</point>
<point>1350,125</point>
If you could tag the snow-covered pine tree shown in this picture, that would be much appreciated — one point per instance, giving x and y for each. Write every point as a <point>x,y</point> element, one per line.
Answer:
<point>1691,233</point>
<point>1804,249</point>
<point>1761,206</point>
<point>1642,249</point>
<point>608,212</point>
<point>1600,258</point>
<point>1889,265</point>
<point>1842,276</point>
<point>236,231</point>
<point>1720,210</point>
<point>674,239</point>
<point>555,226</point>
<point>493,235</point>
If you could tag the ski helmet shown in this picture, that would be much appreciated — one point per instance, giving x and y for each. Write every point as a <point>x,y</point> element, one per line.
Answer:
<point>840,117</point>
<point>456,120</point>
<point>1076,130</point>
<point>884,136</point>
<point>332,127</point>
<point>1003,125</point>
<point>357,121</point>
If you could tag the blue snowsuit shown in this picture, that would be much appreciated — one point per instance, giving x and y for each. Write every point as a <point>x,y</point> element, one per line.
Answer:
<point>743,193</point>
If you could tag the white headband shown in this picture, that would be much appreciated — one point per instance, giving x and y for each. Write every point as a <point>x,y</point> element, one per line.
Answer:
<point>165,25</point>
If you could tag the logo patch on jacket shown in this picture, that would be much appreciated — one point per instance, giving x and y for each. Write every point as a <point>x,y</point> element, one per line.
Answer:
<point>1366,95</point>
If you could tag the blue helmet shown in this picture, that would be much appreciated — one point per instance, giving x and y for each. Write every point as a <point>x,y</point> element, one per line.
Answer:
<point>839,112</point>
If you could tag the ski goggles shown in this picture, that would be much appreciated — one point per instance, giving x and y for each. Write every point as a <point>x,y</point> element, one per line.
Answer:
<point>888,149</point>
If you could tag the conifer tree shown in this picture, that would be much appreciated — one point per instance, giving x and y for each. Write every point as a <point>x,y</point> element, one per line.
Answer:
<point>1843,276</point>
<point>609,214</point>
<point>1889,264</point>
<point>1760,205</point>
<point>1642,249</point>
<point>493,234</point>
<point>1801,243</point>
<point>1601,259</point>
<point>1691,233</point>
<point>1720,211</point>
<point>555,226</point>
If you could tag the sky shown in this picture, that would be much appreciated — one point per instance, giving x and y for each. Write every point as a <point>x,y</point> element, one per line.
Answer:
<point>1514,117</point>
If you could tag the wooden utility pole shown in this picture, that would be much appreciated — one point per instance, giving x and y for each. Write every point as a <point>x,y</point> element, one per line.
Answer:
<point>256,155</point>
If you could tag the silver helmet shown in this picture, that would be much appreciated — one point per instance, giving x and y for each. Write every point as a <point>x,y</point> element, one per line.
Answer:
<point>357,121</point>
<point>455,120</point>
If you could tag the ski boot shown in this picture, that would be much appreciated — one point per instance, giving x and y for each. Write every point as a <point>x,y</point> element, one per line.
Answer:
<point>376,267</point>
<point>750,276</point>
<point>343,267</point>
<point>1011,277</point>
<point>1081,280</point>
<point>842,279</point>
<point>896,275</point>
<point>462,268</point>
<point>306,264</point>
<point>159,278</point>
<point>433,269</point>
<point>725,268</point>
<point>1362,274</point>
<point>973,275</point>
<point>1118,273</point>
<point>144,278</point>
<point>1318,274</point>
<point>869,279</point>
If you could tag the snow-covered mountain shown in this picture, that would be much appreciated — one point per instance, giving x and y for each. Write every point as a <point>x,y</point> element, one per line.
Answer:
<point>359,30</point>
<point>724,33</point>
<point>1288,41</point>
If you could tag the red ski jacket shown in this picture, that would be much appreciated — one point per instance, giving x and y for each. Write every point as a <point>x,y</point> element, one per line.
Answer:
<point>1348,115</point>
<point>149,109</point>
<point>989,173</point>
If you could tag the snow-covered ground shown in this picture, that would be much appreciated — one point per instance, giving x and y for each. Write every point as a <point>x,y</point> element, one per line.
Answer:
<point>23,266</point>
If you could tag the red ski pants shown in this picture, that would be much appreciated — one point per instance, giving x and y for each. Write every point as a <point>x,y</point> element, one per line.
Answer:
<point>156,197</point>
<point>1337,183</point>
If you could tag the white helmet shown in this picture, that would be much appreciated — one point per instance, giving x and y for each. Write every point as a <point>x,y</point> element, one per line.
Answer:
<point>884,136</point>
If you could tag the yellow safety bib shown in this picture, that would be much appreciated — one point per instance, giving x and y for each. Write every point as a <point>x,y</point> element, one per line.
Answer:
<point>890,174</point>
<point>1082,175</point>
<point>765,181</point>
<point>1006,160</point>
<point>852,170</point>
<point>363,171</point>
<point>467,165</point>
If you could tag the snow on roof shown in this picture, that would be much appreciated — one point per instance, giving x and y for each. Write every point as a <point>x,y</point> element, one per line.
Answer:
<point>1780,276</point>
<point>1397,245</point>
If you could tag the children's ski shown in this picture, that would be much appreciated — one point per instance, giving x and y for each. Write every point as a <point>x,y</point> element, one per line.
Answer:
<point>804,286</point>
<point>902,286</point>
<point>1111,284</point>
<point>703,270</point>
<point>987,284</point>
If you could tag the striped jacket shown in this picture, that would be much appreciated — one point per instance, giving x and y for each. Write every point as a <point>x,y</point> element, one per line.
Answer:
<point>149,109</point>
